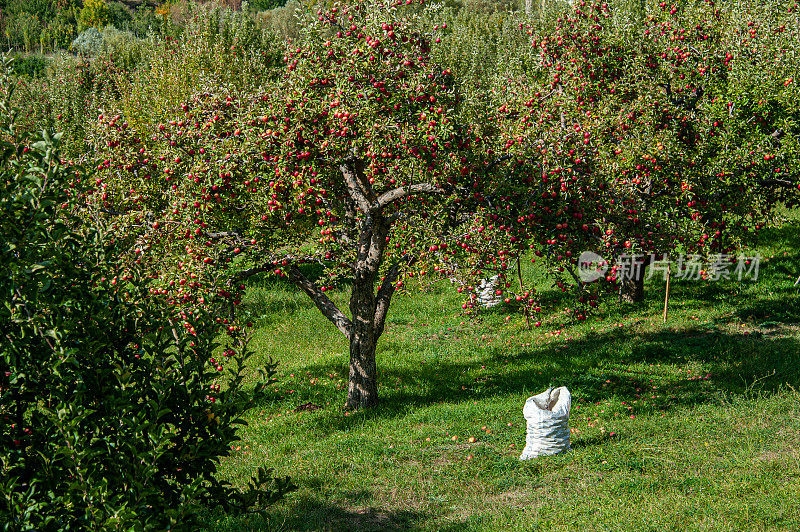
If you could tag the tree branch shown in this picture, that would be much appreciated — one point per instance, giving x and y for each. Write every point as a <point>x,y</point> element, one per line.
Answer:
<point>496,162</point>
<point>778,133</point>
<point>385,292</point>
<point>244,274</point>
<point>325,305</point>
<point>355,185</point>
<point>375,241</point>
<point>400,192</point>
<point>271,263</point>
<point>779,182</point>
<point>223,234</point>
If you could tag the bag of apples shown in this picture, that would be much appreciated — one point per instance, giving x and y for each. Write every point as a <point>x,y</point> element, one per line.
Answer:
<point>547,415</point>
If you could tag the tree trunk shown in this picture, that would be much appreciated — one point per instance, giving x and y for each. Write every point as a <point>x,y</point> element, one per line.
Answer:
<point>632,290</point>
<point>368,310</point>
<point>362,390</point>
<point>666,293</point>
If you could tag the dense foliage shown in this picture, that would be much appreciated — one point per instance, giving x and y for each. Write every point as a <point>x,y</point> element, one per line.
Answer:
<point>113,411</point>
<point>411,139</point>
<point>672,135</point>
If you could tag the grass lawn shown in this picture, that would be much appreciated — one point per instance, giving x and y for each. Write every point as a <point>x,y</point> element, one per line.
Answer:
<point>692,424</point>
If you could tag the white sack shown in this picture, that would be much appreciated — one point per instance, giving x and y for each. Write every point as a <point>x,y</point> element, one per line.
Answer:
<point>487,297</point>
<point>548,423</point>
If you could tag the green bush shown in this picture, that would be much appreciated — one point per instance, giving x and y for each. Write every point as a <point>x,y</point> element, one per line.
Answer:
<point>281,20</point>
<point>43,9</point>
<point>95,13</point>
<point>39,24</point>
<point>123,49</point>
<point>31,66</point>
<point>65,101</point>
<point>142,22</point>
<point>114,414</point>
<point>119,13</point>
<point>216,48</point>
<point>264,5</point>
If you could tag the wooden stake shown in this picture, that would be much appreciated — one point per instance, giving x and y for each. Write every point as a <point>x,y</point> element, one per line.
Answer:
<point>666,292</point>
<point>524,303</point>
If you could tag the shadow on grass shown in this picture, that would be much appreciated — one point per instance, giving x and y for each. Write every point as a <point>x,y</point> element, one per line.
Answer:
<point>595,368</point>
<point>313,513</point>
<point>598,365</point>
<point>782,307</point>
<point>787,234</point>
<point>593,441</point>
<point>618,364</point>
<point>781,300</point>
<point>269,312</point>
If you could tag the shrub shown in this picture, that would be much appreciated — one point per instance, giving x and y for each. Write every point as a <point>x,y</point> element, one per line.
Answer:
<point>113,411</point>
<point>264,5</point>
<point>89,43</point>
<point>32,66</point>
<point>63,101</point>
<point>22,31</point>
<point>119,14</point>
<point>123,48</point>
<point>281,20</point>
<point>217,49</point>
<point>40,8</point>
<point>142,22</point>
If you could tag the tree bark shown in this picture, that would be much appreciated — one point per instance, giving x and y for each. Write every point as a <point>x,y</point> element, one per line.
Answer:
<point>368,315</point>
<point>362,390</point>
<point>666,293</point>
<point>367,325</point>
<point>325,305</point>
<point>632,290</point>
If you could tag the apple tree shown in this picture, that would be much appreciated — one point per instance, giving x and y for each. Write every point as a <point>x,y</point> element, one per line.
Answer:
<point>356,159</point>
<point>630,140</point>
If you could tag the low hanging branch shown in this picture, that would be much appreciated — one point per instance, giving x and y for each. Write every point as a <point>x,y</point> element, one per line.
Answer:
<point>322,302</point>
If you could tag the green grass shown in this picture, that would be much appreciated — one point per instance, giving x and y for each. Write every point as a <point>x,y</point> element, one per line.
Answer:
<point>693,424</point>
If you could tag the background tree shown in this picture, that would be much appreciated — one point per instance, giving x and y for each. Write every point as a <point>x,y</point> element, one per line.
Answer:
<point>94,14</point>
<point>623,139</point>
